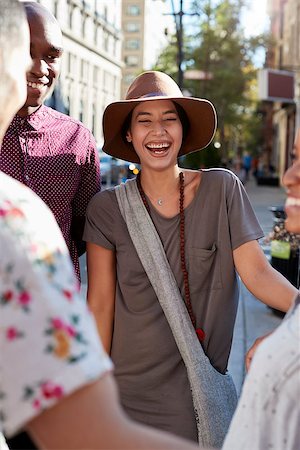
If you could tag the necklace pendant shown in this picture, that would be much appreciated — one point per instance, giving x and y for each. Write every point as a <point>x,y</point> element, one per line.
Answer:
<point>159,202</point>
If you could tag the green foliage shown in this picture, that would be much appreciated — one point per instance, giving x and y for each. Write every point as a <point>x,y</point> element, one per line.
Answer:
<point>217,47</point>
<point>206,158</point>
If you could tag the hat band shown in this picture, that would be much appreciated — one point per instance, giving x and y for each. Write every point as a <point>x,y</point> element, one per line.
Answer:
<point>151,94</point>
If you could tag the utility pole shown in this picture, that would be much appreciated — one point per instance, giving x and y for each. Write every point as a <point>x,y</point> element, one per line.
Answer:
<point>178,17</point>
<point>180,46</point>
<point>179,34</point>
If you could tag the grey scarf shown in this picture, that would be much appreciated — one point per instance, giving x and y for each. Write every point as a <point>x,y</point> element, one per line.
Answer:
<point>214,394</point>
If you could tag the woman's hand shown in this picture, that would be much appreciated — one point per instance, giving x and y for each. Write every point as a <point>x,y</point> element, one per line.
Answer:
<point>252,350</point>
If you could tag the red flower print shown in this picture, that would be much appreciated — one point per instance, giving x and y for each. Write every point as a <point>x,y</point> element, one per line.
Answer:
<point>7,296</point>
<point>50,390</point>
<point>68,294</point>
<point>58,392</point>
<point>24,298</point>
<point>13,333</point>
<point>3,212</point>
<point>71,331</point>
<point>57,323</point>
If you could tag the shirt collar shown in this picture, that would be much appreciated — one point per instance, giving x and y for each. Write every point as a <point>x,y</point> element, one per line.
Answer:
<point>35,120</point>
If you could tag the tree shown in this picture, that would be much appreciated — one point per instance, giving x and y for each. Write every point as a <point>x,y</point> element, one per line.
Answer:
<point>216,47</point>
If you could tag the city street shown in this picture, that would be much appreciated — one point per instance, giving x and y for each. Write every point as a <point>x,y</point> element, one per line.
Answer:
<point>254,318</point>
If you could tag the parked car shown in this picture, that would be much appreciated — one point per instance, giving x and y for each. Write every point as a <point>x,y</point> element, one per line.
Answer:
<point>113,170</point>
<point>105,168</point>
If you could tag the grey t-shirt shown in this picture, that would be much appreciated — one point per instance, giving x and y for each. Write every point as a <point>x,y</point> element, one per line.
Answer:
<point>149,370</point>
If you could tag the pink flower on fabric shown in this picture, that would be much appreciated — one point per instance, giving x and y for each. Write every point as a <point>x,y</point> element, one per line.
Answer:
<point>36,404</point>
<point>24,298</point>
<point>17,212</point>
<point>71,331</point>
<point>11,333</point>
<point>51,390</point>
<point>3,212</point>
<point>58,323</point>
<point>68,294</point>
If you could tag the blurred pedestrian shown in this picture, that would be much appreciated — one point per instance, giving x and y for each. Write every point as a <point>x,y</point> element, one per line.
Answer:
<point>239,170</point>
<point>268,413</point>
<point>208,230</point>
<point>56,380</point>
<point>247,163</point>
<point>53,154</point>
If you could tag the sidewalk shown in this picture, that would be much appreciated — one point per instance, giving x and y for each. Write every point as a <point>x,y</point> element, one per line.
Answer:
<point>254,319</point>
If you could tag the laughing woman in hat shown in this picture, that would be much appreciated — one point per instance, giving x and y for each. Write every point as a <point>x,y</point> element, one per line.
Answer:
<point>208,231</point>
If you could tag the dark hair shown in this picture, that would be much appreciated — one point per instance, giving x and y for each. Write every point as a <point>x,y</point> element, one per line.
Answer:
<point>126,126</point>
<point>12,16</point>
<point>182,117</point>
<point>184,120</point>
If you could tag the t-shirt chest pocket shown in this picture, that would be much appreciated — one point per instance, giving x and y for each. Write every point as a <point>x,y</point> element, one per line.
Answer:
<point>204,268</point>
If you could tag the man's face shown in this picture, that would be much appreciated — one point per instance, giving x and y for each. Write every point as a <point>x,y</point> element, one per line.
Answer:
<point>46,52</point>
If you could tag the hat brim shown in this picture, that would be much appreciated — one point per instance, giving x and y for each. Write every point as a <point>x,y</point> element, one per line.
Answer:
<point>200,113</point>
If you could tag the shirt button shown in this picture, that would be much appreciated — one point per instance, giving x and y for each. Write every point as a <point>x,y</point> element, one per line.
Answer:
<point>27,177</point>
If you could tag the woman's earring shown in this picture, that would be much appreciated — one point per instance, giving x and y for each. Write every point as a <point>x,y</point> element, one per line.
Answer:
<point>128,139</point>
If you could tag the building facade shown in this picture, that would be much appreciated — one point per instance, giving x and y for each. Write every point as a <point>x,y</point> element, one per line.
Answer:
<point>282,115</point>
<point>91,66</point>
<point>144,28</point>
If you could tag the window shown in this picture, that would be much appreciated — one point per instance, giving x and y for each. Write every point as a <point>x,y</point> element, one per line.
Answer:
<point>132,27</point>
<point>133,10</point>
<point>131,60</point>
<point>95,75</point>
<point>84,67</point>
<point>81,106</point>
<point>105,13</point>
<point>132,44</point>
<point>105,41</point>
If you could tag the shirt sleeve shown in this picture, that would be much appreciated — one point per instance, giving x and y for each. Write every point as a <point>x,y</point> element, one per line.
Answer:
<point>49,343</point>
<point>102,214</point>
<point>243,223</point>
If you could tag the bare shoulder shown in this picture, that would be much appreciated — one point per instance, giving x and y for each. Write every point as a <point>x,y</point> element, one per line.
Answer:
<point>192,180</point>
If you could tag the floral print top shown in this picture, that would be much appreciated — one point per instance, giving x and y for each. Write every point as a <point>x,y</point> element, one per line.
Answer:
<point>49,344</point>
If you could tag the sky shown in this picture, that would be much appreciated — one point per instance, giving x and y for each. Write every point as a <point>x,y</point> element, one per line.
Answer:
<point>254,18</point>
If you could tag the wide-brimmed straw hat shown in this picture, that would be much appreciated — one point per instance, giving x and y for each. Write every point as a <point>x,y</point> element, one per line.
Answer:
<point>152,86</point>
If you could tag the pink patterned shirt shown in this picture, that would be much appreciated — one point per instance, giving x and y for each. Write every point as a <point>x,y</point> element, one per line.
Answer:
<point>56,156</point>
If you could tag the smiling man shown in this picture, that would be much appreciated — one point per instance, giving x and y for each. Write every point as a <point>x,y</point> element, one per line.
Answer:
<point>50,152</point>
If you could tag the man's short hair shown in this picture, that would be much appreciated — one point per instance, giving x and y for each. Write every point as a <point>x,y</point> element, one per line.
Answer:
<point>12,16</point>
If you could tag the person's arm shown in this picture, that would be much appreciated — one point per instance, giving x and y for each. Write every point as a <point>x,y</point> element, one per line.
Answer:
<point>101,269</point>
<point>262,280</point>
<point>91,418</point>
